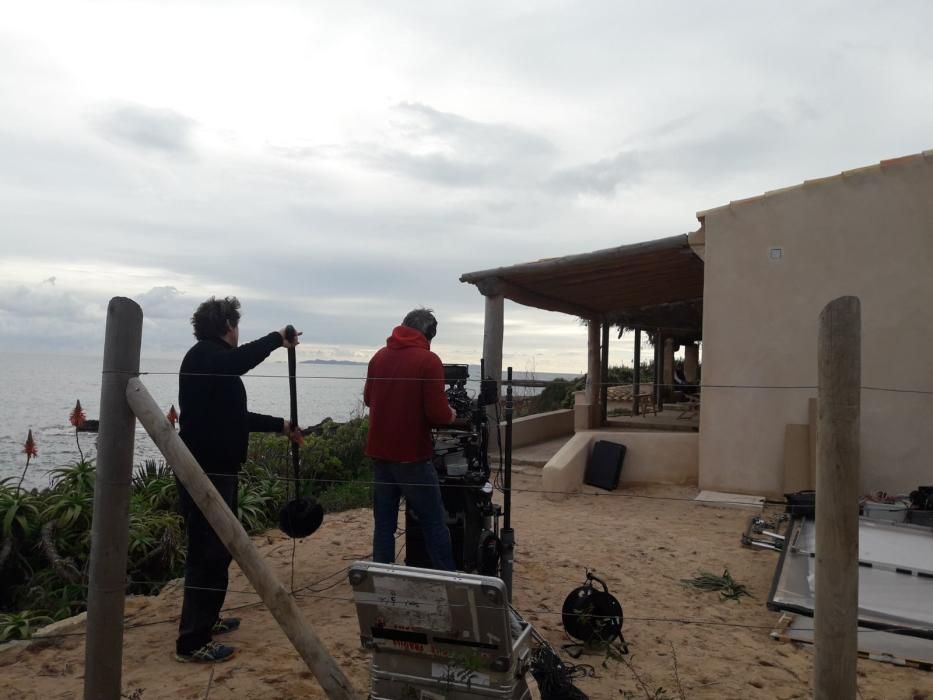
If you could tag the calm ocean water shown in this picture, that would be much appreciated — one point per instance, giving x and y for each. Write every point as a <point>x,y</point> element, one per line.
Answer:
<point>38,392</point>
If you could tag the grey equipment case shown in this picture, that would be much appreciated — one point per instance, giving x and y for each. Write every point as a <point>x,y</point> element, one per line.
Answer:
<point>439,635</point>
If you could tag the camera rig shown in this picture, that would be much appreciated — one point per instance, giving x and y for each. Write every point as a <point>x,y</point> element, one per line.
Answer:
<point>461,458</point>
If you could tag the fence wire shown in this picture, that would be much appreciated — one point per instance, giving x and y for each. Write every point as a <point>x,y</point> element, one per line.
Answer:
<point>316,589</point>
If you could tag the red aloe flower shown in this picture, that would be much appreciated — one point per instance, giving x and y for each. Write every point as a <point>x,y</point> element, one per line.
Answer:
<point>77,417</point>
<point>29,448</point>
<point>172,415</point>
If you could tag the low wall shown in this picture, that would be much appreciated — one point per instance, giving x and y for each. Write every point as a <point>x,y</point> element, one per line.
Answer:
<point>651,457</point>
<point>540,427</point>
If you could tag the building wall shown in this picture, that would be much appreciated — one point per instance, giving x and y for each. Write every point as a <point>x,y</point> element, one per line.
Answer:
<point>867,233</point>
<point>540,427</point>
<point>650,457</point>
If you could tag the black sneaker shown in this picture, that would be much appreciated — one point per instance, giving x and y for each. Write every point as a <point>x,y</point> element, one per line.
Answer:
<point>225,624</point>
<point>210,653</point>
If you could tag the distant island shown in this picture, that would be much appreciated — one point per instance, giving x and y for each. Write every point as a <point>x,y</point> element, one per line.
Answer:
<point>331,362</point>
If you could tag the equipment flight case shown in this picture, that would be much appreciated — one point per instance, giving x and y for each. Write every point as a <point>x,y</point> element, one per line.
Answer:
<point>440,635</point>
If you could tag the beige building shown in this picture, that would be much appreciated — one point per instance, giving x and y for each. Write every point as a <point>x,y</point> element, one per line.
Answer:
<point>750,283</point>
<point>771,263</point>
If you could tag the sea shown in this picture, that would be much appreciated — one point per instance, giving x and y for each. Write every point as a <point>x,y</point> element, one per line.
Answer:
<point>39,391</point>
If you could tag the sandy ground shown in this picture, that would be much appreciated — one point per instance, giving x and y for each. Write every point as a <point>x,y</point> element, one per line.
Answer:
<point>642,547</point>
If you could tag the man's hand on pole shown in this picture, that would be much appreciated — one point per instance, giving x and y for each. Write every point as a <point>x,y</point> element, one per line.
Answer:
<point>286,343</point>
<point>294,434</point>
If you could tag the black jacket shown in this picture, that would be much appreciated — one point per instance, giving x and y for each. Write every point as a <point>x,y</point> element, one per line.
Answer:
<point>215,424</point>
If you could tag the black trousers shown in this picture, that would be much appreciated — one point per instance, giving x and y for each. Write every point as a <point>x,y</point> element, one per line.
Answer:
<point>206,568</point>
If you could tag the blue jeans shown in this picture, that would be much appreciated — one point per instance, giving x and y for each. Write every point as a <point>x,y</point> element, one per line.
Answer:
<point>417,482</point>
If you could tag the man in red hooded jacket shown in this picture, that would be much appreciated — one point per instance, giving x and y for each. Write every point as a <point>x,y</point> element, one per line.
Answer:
<point>405,394</point>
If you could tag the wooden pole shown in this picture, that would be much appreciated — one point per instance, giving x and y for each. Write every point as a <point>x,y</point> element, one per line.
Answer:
<point>592,372</point>
<point>837,484</point>
<point>604,376</point>
<point>103,652</point>
<point>231,533</point>
<point>691,362</point>
<point>636,379</point>
<point>658,367</point>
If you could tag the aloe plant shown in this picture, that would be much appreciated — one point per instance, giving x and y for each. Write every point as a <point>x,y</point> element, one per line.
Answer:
<point>19,511</point>
<point>21,625</point>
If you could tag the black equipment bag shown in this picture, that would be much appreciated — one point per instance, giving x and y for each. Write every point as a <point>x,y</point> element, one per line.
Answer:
<point>801,503</point>
<point>605,465</point>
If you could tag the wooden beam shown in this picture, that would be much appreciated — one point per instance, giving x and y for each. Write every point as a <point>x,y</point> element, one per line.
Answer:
<point>606,254</point>
<point>545,301</point>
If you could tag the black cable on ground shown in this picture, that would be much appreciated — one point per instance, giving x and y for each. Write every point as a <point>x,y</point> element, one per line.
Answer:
<point>555,677</point>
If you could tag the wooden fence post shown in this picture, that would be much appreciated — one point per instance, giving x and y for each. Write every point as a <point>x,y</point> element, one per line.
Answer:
<point>837,484</point>
<point>103,655</point>
<point>241,547</point>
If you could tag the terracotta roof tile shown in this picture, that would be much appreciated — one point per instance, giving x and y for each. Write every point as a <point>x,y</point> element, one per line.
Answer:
<point>864,170</point>
<point>902,160</point>
<point>821,180</point>
<point>885,164</point>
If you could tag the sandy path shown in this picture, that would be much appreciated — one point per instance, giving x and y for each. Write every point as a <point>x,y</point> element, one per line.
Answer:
<point>642,547</point>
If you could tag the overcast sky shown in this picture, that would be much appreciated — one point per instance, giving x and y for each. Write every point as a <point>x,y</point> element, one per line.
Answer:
<point>334,164</point>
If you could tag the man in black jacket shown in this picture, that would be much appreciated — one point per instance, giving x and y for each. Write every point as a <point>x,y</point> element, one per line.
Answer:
<point>215,425</point>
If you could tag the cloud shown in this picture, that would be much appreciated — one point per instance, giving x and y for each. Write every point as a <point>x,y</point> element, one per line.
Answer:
<point>727,148</point>
<point>165,302</point>
<point>602,177</point>
<point>349,170</point>
<point>146,128</point>
<point>48,318</point>
<point>449,149</point>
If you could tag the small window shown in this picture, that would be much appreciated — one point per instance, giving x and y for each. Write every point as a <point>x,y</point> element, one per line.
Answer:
<point>776,254</point>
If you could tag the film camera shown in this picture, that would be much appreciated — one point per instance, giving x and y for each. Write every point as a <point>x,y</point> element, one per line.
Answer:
<point>461,458</point>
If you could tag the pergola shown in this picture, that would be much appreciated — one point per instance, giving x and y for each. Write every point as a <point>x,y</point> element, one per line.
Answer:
<point>656,286</point>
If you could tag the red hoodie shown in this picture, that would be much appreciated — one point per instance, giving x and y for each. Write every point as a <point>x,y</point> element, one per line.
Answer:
<point>405,394</point>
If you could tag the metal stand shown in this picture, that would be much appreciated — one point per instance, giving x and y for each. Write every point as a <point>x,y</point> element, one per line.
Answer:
<point>508,534</point>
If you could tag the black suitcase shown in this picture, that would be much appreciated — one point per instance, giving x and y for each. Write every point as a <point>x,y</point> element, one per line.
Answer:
<point>605,465</point>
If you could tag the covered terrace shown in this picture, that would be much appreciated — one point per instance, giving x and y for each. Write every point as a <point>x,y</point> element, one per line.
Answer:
<point>654,287</point>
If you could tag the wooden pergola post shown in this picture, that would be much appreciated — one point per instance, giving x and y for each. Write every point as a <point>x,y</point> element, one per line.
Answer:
<point>668,377</point>
<point>592,372</point>
<point>604,377</point>
<point>837,508</point>
<point>636,372</point>
<point>691,362</point>
<point>658,363</point>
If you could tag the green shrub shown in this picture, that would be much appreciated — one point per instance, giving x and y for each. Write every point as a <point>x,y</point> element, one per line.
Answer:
<point>20,625</point>
<point>45,579</point>
<point>334,461</point>
<point>19,511</point>
<point>347,496</point>
<point>155,484</point>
